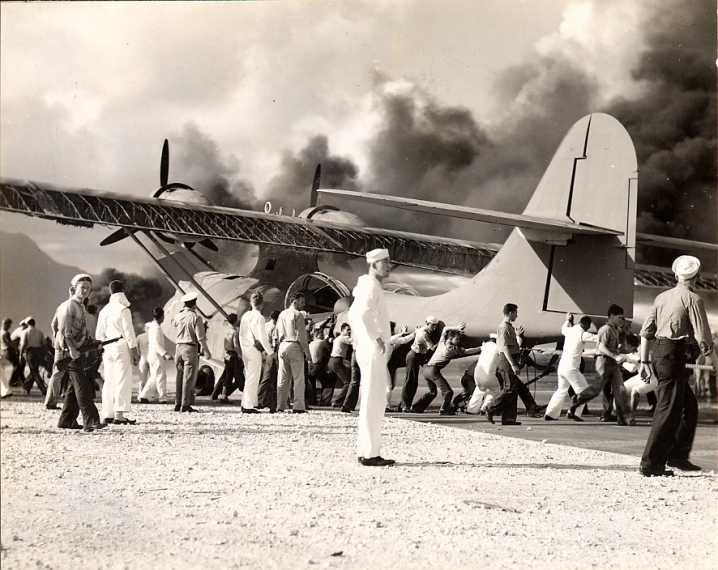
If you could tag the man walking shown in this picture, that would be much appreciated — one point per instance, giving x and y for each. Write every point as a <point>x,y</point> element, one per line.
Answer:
<point>255,344</point>
<point>569,375</point>
<point>71,341</point>
<point>156,356</point>
<point>369,322</point>
<point>191,338</point>
<point>677,316</point>
<point>293,353</point>
<point>32,350</point>
<point>608,361</point>
<point>118,358</point>
<point>229,381</point>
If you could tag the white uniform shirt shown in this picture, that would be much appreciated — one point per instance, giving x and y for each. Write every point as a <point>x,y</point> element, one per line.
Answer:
<point>252,328</point>
<point>155,341</point>
<point>368,316</point>
<point>575,338</point>
<point>115,320</point>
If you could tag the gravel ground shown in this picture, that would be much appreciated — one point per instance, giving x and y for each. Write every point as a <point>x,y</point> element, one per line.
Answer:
<point>223,490</point>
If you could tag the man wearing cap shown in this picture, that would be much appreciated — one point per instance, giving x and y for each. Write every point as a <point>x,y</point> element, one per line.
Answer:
<point>118,358</point>
<point>191,337</point>
<point>417,357</point>
<point>32,343</point>
<point>293,353</point>
<point>369,321</point>
<point>677,316</point>
<point>156,356</point>
<point>255,344</point>
<point>71,342</point>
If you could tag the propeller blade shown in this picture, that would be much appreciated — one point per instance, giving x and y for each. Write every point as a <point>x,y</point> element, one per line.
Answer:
<point>165,163</point>
<point>315,186</point>
<point>209,244</point>
<point>116,236</point>
<point>170,188</point>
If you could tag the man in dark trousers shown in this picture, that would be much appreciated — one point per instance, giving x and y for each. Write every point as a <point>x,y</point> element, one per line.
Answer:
<point>677,316</point>
<point>71,341</point>
<point>232,377</point>
<point>508,345</point>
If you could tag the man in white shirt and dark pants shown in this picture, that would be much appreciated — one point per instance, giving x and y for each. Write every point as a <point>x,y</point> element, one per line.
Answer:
<point>569,374</point>
<point>255,343</point>
<point>118,358</point>
<point>369,320</point>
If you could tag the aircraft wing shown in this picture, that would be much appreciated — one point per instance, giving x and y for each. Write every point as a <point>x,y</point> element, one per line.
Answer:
<point>469,213</point>
<point>87,208</point>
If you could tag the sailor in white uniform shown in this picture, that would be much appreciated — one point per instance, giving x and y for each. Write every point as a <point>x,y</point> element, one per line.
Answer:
<point>118,358</point>
<point>369,321</point>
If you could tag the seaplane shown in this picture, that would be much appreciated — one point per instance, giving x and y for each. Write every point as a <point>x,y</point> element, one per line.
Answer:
<point>572,249</point>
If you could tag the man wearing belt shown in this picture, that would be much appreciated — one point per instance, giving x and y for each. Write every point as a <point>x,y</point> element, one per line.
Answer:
<point>229,381</point>
<point>293,352</point>
<point>677,315</point>
<point>608,361</point>
<point>71,340</point>
<point>418,356</point>
<point>191,337</point>
<point>508,347</point>
<point>255,344</point>
<point>32,343</point>
<point>118,358</point>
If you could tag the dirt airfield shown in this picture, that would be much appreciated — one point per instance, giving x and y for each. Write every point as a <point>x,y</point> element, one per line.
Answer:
<point>226,490</point>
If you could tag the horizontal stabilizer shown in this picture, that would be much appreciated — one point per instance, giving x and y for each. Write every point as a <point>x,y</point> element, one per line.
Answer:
<point>675,243</point>
<point>469,213</point>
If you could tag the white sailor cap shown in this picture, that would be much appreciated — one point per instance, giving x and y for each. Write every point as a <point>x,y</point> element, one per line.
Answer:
<point>188,297</point>
<point>686,266</point>
<point>26,319</point>
<point>431,320</point>
<point>377,255</point>
<point>494,336</point>
<point>80,277</point>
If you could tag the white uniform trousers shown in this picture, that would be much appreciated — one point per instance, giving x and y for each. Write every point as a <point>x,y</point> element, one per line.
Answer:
<point>481,399</point>
<point>144,369</point>
<point>252,359</point>
<point>567,377</point>
<point>372,402</point>
<point>5,374</point>
<point>291,372</point>
<point>156,380</point>
<point>117,389</point>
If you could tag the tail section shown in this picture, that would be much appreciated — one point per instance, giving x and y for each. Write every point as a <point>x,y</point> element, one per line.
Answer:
<point>592,180</point>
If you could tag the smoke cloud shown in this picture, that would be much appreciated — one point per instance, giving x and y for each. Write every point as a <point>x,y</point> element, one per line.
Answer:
<point>673,124</point>
<point>144,293</point>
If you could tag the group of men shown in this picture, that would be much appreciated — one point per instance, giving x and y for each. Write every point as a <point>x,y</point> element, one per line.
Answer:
<point>677,317</point>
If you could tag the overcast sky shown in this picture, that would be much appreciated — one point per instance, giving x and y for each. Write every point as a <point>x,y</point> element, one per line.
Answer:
<point>89,91</point>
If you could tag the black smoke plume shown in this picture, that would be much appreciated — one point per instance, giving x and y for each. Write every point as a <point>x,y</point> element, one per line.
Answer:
<point>673,124</point>
<point>290,189</point>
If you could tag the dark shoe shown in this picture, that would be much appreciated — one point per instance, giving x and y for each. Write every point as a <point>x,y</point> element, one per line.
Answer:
<point>574,417</point>
<point>447,413</point>
<point>683,465</point>
<point>622,423</point>
<point>48,406</point>
<point>413,410</point>
<point>656,472</point>
<point>608,419</point>
<point>125,422</point>
<point>108,420</point>
<point>100,426</point>
<point>550,419</point>
<point>224,400</point>
<point>189,409</point>
<point>510,423</point>
<point>177,407</point>
<point>299,411</point>
<point>144,401</point>
<point>376,461</point>
<point>249,410</point>
<point>490,417</point>
<point>87,429</point>
<point>344,410</point>
<point>74,425</point>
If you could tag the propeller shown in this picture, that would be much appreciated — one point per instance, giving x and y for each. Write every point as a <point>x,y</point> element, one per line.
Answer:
<point>165,186</point>
<point>315,186</point>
